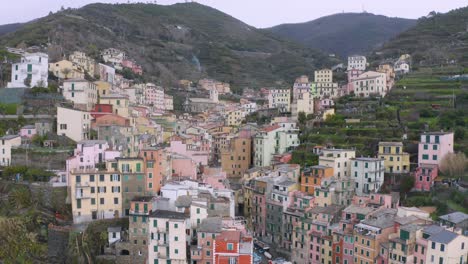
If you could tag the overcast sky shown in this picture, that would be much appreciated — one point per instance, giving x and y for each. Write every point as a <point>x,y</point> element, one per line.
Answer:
<point>259,13</point>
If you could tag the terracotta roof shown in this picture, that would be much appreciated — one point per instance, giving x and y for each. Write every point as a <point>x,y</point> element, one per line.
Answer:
<point>270,128</point>
<point>229,236</point>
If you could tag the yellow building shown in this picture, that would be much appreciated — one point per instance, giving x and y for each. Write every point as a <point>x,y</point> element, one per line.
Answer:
<point>396,161</point>
<point>86,63</point>
<point>65,69</point>
<point>119,103</point>
<point>235,117</point>
<point>104,88</point>
<point>323,76</point>
<point>96,194</point>
<point>324,196</point>
<point>327,249</point>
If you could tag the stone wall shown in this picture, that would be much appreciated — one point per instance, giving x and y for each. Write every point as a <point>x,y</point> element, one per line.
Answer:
<point>53,160</point>
<point>57,244</point>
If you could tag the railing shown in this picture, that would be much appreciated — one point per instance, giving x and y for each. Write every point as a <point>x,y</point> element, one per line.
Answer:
<point>133,212</point>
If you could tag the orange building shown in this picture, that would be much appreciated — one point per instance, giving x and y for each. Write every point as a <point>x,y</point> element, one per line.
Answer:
<point>236,159</point>
<point>312,177</point>
<point>233,247</point>
<point>157,168</point>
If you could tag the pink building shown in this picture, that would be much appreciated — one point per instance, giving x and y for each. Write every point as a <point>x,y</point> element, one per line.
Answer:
<point>434,146</point>
<point>215,177</point>
<point>197,151</point>
<point>28,131</point>
<point>183,167</point>
<point>88,154</point>
<point>352,76</point>
<point>137,69</point>
<point>424,177</point>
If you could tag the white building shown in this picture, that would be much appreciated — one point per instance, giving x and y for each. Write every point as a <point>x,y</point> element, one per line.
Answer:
<point>339,160</point>
<point>6,143</point>
<point>280,98</point>
<point>33,66</point>
<point>81,92</point>
<point>402,67</point>
<point>368,174</point>
<point>272,140</point>
<point>73,123</point>
<point>168,102</point>
<point>443,246</point>
<point>106,73</point>
<point>249,107</point>
<point>114,56</point>
<point>154,95</point>
<point>357,62</point>
<point>370,83</point>
<point>168,237</point>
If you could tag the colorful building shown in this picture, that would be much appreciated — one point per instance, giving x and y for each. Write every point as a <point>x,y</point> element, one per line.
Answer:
<point>396,161</point>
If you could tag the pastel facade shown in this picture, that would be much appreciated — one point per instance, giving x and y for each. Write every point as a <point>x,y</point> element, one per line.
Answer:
<point>236,159</point>
<point>234,117</point>
<point>86,63</point>
<point>65,69</point>
<point>323,76</point>
<point>168,232</point>
<point>73,123</point>
<point>119,103</point>
<point>6,143</point>
<point>396,160</point>
<point>33,67</point>
<point>279,98</point>
<point>81,92</point>
<point>424,177</point>
<point>95,194</point>
<point>113,56</point>
<point>368,174</point>
<point>339,160</point>
<point>28,131</point>
<point>433,146</point>
<point>357,62</point>
<point>106,73</point>
<point>312,178</point>
<point>272,140</point>
<point>370,83</point>
<point>233,246</point>
<point>103,88</point>
<point>158,168</point>
<point>168,102</point>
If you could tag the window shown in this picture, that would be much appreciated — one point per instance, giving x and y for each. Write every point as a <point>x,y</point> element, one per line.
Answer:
<point>426,147</point>
<point>434,157</point>
<point>93,201</point>
<point>176,238</point>
<point>425,157</point>
<point>101,200</point>
<point>208,253</point>
<point>78,203</point>
<point>116,200</point>
<point>433,245</point>
<point>230,246</point>
<point>91,178</point>
<point>176,251</point>
<point>101,177</point>
<point>176,225</point>
<point>434,147</point>
<point>442,247</point>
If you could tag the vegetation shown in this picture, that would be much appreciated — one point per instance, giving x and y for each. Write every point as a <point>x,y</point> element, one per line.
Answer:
<point>27,173</point>
<point>439,39</point>
<point>345,34</point>
<point>184,41</point>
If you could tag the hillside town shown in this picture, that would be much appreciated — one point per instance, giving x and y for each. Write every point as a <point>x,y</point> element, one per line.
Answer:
<point>207,182</point>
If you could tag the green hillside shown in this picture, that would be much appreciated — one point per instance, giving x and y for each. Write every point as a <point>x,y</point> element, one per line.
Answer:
<point>187,41</point>
<point>345,34</point>
<point>440,39</point>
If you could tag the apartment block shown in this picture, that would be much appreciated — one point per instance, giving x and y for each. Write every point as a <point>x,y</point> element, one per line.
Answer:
<point>368,174</point>
<point>396,160</point>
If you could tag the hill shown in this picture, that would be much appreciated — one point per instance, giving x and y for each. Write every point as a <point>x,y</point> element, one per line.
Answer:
<point>345,34</point>
<point>4,29</point>
<point>436,39</point>
<point>181,41</point>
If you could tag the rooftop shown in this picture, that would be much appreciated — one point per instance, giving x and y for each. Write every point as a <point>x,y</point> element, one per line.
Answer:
<point>89,143</point>
<point>355,209</point>
<point>8,137</point>
<point>330,210</point>
<point>399,144</point>
<point>211,225</point>
<point>443,237</point>
<point>168,214</point>
<point>380,222</point>
<point>183,201</point>
<point>28,127</point>
<point>229,235</point>
<point>437,133</point>
<point>456,217</point>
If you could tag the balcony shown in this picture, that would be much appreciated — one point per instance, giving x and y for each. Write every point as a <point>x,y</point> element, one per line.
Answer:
<point>79,195</point>
<point>133,212</point>
<point>82,184</point>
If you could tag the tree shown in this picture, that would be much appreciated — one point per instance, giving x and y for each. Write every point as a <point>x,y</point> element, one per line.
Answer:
<point>454,165</point>
<point>407,183</point>
<point>302,118</point>
<point>65,72</point>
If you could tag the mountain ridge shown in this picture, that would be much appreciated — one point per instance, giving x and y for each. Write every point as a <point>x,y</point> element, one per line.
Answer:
<point>344,33</point>
<point>169,41</point>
